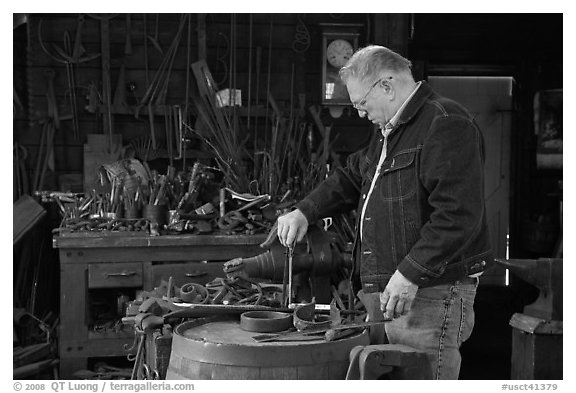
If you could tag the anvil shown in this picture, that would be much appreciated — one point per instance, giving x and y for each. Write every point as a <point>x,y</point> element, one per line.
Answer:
<point>546,275</point>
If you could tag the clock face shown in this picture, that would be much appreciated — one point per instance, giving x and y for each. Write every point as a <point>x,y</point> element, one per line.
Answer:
<point>339,52</point>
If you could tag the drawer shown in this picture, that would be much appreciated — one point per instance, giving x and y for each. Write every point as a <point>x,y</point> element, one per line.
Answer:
<point>182,273</point>
<point>115,275</point>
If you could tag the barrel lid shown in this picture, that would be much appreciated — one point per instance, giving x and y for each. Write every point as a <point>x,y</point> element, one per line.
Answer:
<point>224,342</point>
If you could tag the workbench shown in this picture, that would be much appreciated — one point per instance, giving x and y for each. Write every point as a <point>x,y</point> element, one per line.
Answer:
<point>92,264</point>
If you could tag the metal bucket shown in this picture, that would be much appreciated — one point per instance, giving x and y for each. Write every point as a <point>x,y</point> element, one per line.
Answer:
<point>222,350</point>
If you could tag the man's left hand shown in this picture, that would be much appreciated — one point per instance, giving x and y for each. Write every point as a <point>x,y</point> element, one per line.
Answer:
<point>397,298</point>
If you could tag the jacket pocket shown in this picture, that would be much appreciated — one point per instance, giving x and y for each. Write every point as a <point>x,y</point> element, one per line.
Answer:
<point>398,180</point>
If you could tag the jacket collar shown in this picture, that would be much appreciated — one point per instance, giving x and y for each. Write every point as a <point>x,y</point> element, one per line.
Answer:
<point>415,103</point>
<point>393,122</point>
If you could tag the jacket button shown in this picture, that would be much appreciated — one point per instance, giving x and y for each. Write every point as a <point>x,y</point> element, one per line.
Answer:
<point>367,218</point>
<point>483,263</point>
<point>367,252</point>
<point>363,196</point>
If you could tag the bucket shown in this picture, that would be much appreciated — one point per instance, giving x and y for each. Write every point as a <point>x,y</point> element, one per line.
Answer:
<point>222,350</point>
<point>156,213</point>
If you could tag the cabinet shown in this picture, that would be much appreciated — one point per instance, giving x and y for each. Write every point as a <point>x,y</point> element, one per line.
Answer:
<point>95,264</point>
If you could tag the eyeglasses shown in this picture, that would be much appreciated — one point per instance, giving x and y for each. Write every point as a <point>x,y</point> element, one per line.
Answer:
<point>360,104</point>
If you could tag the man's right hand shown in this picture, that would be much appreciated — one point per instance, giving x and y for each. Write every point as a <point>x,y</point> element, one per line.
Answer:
<point>292,227</point>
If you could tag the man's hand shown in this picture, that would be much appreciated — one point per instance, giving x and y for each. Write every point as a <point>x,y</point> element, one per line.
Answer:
<point>397,298</point>
<point>292,227</point>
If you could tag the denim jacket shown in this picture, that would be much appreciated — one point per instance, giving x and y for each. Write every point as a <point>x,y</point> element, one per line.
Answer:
<point>426,216</point>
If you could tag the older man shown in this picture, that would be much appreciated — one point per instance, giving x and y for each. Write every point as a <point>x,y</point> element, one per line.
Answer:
<point>422,238</point>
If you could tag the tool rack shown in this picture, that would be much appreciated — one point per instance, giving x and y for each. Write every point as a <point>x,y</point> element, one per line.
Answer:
<point>95,262</point>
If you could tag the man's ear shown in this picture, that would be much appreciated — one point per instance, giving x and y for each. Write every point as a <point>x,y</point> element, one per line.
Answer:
<point>387,86</point>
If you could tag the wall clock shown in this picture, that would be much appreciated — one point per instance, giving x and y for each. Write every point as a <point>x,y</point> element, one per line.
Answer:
<point>338,52</point>
<point>339,41</point>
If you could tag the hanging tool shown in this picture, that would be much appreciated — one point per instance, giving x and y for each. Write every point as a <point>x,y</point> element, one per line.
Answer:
<point>169,125</point>
<point>177,115</point>
<point>45,156</point>
<point>120,92</point>
<point>42,163</point>
<point>128,44</point>
<point>154,39</point>
<point>249,71</point>
<point>301,41</point>
<point>151,123</point>
<point>53,115</point>
<point>70,56</point>
<point>221,59</point>
<point>20,154</point>
<point>51,97</point>
<point>172,50</point>
<point>121,87</point>
<point>76,55</point>
<point>157,90</point>
<point>106,88</point>
<point>78,49</point>
<point>268,80</point>
<point>232,81</point>
<point>71,77</point>
<point>258,61</point>
<point>182,119</point>
<point>106,84</point>
<point>146,51</point>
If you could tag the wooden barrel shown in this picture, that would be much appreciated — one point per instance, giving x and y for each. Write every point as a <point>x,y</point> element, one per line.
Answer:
<point>222,350</point>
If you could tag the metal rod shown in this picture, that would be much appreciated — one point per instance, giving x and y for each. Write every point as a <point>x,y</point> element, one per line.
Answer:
<point>258,60</point>
<point>268,79</point>
<point>146,52</point>
<point>106,96</point>
<point>290,263</point>
<point>181,144</point>
<point>285,300</point>
<point>249,70</point>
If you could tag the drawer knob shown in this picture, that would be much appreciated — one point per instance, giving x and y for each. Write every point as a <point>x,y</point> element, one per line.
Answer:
<point>121,274</point>
<point>196,273</point>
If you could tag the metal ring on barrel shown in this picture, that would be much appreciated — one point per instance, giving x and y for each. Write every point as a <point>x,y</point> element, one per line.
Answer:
<point>265,321</point>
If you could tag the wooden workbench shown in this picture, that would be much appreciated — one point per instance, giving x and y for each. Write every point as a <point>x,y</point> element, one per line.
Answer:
<point>92,264</point>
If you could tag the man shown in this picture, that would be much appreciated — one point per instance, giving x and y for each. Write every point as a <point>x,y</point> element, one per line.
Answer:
<point>422,238</point>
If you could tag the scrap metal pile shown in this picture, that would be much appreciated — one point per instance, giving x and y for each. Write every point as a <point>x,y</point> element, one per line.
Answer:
<point>187,202</point>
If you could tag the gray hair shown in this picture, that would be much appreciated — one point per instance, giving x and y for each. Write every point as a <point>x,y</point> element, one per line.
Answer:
<point>370,62</point>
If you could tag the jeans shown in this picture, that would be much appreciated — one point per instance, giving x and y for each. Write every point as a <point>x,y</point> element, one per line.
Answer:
<point>440,320</point>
